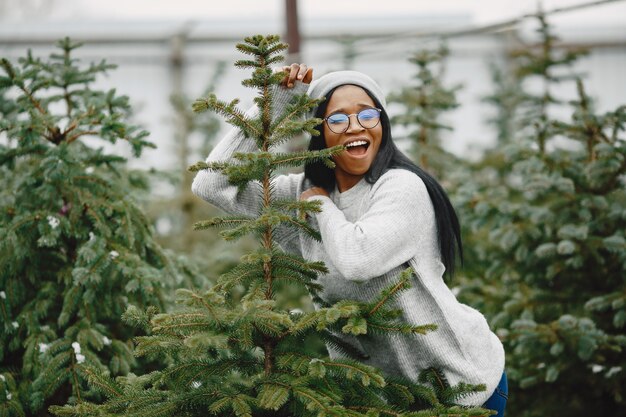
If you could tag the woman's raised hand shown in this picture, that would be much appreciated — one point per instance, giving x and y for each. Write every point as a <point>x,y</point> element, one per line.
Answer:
<point>295,72</point>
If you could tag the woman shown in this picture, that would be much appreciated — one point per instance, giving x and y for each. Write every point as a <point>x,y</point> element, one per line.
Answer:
<point>380,214</point>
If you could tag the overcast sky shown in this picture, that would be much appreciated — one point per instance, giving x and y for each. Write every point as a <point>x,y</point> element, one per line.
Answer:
<point>481,11</point>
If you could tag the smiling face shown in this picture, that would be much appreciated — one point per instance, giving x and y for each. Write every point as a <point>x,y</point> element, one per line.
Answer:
<point>362,144</point>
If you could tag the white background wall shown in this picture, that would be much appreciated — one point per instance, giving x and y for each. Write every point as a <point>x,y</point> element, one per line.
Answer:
<point>137,39</point>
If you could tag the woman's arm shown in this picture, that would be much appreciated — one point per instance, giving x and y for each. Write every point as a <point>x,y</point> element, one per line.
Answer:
<point>213,186</point>
<point>384,237</point>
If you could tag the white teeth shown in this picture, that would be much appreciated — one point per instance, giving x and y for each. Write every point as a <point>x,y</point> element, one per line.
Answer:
<point>356,143</point>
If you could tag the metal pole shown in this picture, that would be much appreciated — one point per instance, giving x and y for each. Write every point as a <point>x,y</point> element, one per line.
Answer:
<point>177,68</point>
<point>293,31</point>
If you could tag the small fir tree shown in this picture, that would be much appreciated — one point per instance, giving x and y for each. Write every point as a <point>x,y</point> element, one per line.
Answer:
<point>522,97</point>
<point>424,103</point>
<point>251,355</point>
<point>75,250</point>
<point>545,66</point>
<point>507,97</point>
<point>551,249</point>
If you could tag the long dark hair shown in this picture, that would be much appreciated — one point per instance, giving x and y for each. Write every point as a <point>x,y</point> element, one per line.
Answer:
<point>388,157</point>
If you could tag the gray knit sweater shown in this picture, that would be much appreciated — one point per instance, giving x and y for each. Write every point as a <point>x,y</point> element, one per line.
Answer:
<point>370,233</point>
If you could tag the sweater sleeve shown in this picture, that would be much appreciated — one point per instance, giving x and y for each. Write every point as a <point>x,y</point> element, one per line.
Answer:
<point>214,187</point>
<point>386,235</point>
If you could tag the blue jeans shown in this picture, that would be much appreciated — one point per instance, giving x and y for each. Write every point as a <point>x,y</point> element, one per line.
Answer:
<point>497,401</point>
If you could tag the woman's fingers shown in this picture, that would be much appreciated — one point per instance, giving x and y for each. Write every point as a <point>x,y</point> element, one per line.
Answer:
<point>308,76</point>
<point>295,72</point>
<point>302,69</point>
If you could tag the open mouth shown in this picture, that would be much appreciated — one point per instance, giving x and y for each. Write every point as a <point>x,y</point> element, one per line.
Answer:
<point>357,147</point>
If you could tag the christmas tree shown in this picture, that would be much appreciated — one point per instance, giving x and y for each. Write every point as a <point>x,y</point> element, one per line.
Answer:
<point>424,104</point>
<point>546,212</point>
<point>239,348</point>
<point>506,98</point>
<point>76,249</point>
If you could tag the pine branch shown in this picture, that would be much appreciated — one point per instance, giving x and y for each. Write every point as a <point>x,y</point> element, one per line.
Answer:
<point>398,393</point>
<point>187,371</point>
<point>238,403</point>
<point>182,323</point>
<point>309,269</point>
<point>388,293</point>
<point>239,275</point>
<point>198,166</point>
<point>312,400</point>
<point>243,226</point>
<point>401,328</point>
<point>246,63</point>
<point>299,206</point>
<point>269,322</point>
<point>234,116</point>
<point>240,174</point>
<point>300,224</point>
<point>223,222</point>
<point>288,124</point>
<point>142,403</point>
<point>295,361</point>
<point>291,277</point>
<point>349,370</point>
<point>72,138</point>
<point>325,317</point>
<point>209,301</point>
<point>340,345</point>
<point>15,80</point>
<point>272,396</point>
<point>378,410</point>
<point>100,381</point>
<point>138,318</point>
<point>298,158</point>
<point>79,410</point>
<point>8,155</point>
<point>158,344</point>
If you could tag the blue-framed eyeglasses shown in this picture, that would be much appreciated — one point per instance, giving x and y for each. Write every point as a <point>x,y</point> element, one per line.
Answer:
<point>340,122</point>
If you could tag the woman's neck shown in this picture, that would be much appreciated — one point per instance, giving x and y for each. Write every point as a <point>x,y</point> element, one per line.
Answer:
<point>346,181</point>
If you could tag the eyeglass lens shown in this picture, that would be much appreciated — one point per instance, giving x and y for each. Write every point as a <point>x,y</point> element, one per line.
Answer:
<point>367,118</point>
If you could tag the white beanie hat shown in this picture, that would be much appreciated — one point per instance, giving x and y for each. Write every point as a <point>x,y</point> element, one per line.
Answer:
<point>320,87</point>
